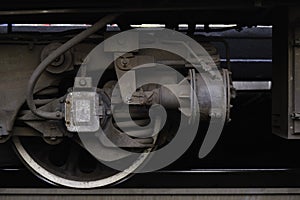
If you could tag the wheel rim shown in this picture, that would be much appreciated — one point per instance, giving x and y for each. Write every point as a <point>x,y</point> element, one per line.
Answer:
<point>56,175</point>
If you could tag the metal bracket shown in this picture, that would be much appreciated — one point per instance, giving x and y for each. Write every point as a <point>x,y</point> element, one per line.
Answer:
<point>295,116</point>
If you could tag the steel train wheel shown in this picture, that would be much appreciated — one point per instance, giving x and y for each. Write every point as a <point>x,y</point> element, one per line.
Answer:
<point>68,164</point>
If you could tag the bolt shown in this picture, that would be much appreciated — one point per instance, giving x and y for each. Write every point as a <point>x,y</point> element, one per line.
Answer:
<point>128,99</point>
<point>218,115</point>
<point>212,114</point>
<point>82,82</point>
<point>124,62</point>
<point>58,114</point>
<point>215,115</point>
<point>108,112</point>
